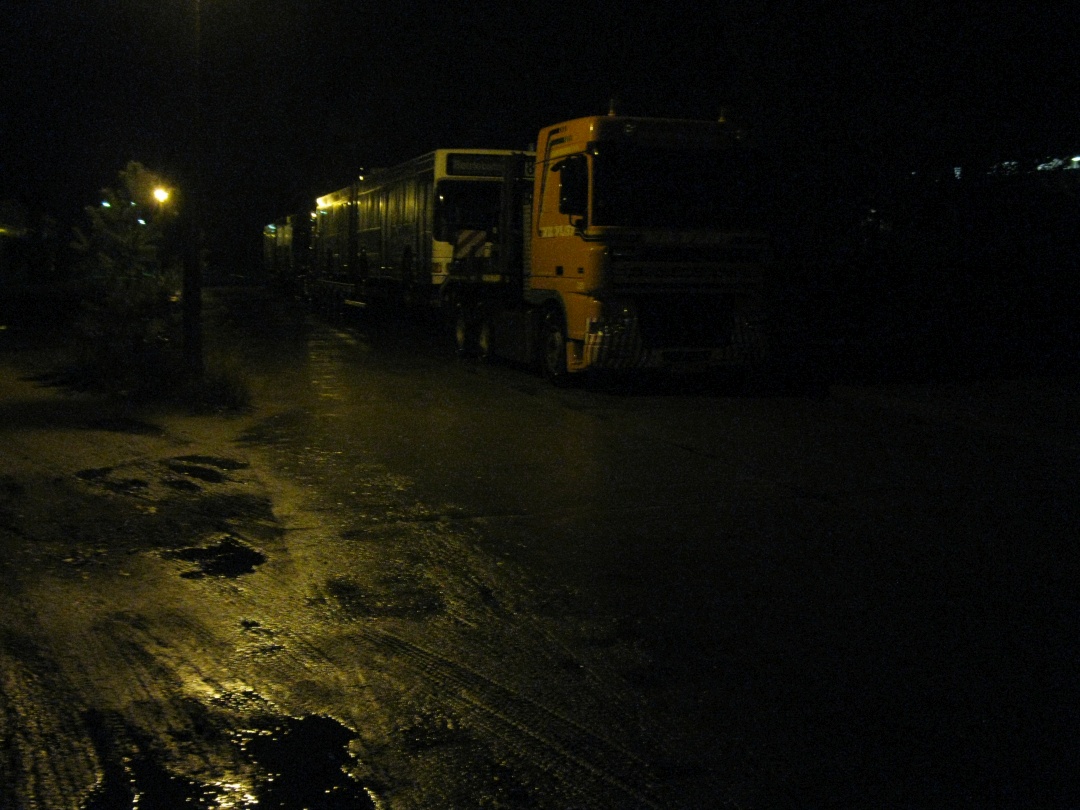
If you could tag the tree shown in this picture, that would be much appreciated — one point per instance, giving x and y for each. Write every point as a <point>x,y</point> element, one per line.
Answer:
<point>129,326</point>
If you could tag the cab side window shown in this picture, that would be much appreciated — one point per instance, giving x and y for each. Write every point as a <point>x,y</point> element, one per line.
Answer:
<point>573,186</point>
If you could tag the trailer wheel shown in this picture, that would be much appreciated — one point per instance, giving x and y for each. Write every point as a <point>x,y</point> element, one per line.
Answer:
<point>553,346</point>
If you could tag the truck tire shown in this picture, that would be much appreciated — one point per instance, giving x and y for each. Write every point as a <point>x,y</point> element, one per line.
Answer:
<point>464,333</point>
<point>484,340</point>
<point>553,346</point>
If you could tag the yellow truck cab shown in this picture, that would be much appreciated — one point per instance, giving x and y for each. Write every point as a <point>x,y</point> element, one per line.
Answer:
<point>648,245</point>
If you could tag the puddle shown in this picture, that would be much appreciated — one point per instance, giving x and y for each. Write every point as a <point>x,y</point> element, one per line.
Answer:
<point>228,557</point>
<point>203,473</point>
<point>94,473</point>
<point>214,461</point>
<point>181,485</point>
<point>127,486</point>
<point>305,760</point>
<point>300,763</point>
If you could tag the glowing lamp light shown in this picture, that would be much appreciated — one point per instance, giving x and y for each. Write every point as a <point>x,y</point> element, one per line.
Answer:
<point>161,194</point>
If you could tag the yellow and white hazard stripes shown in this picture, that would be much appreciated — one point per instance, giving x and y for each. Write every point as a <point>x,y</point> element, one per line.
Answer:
<point>472,243</point>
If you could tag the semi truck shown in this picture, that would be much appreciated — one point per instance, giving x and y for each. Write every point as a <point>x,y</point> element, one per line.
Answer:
<point>617,243</point>
<point>620,243</point>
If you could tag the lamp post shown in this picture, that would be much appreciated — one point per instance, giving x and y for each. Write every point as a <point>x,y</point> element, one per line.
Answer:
<point>192,282</point>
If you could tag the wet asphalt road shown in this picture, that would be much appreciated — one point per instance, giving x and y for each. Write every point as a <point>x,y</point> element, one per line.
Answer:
<point>409,581</point>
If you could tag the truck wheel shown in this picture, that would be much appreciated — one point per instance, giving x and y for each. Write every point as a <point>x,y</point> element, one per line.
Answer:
<point>484,341</point>
<point>553,346</point>
<point>463,333</point>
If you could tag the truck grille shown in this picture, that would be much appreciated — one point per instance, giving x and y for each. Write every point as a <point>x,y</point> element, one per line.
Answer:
<point>736,261</point>
<point>679,330</point>
<point>681,322</point>
<point>667,274</point>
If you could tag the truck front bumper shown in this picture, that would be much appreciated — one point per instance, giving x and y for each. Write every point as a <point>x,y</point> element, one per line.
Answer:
<point>653,335</point>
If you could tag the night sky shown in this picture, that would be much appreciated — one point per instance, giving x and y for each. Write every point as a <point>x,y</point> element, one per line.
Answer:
<point>298,95</point>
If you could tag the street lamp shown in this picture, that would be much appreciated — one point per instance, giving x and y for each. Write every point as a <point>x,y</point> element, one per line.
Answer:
<point>161,195</point>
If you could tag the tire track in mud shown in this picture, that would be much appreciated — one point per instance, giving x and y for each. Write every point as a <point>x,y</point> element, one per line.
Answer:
<point>460,676</point>
<point>580,640</point>
<point>154,676</point>
<point>46,758</point>
<point>480,677</point>
<point>608,775</point>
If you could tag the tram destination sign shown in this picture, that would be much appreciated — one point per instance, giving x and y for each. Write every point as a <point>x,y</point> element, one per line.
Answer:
<point>474,165</point>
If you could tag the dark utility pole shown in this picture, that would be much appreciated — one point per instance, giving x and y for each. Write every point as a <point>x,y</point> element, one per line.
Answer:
<point>192,287</point>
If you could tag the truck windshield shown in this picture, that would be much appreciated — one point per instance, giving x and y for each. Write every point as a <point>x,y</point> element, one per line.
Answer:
<point>648,186</point>
<point>463,204</point>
